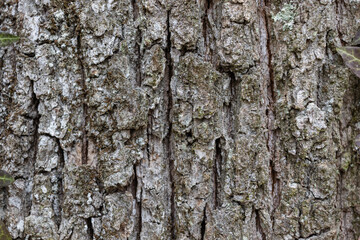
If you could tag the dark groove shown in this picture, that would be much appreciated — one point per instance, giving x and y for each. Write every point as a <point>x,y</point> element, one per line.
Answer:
<point>299,222</point>
<point>232,86</point>
<point>322,231</point>
<point>233,104</point>
<point>148,133</point>
<point>84,147</point>
<point>134,188</point>
<point>135,9</point>
<point>138,61</point>
<point>340,200</point>
<point>139,56</point>
<point>134,183</point>
<point>140,216</point>
<point>167,139</point>
<point>338,4</point>
<point>270,111</point>
<point>60,178</point>
<point>258,225</point>
<point>90,229</point>
<point>31,55</point>
<point>208,4</point>
<point>217,172</point>
<point>36,122</point>
<point>138,40</point>
<point>203,225</point>
<point>100,184</point>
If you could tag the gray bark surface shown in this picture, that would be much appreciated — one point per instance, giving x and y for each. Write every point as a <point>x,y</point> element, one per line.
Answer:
<point>144,119</point>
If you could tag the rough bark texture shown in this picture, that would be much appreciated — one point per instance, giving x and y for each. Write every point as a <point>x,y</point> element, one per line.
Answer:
<point>208,119</point>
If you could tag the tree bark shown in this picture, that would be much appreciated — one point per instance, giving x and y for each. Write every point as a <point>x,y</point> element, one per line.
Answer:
<point>144,119</point>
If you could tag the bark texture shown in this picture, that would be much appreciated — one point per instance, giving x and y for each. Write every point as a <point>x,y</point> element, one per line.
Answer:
<point>183,119</point>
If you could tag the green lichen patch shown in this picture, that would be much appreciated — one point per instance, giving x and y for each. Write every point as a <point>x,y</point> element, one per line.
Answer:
<point>4,233</point>
<point>286,16</point>
<point>5,179</point>
<point>7,39</point>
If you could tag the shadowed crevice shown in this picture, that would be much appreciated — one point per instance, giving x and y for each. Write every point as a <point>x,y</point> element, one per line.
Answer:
<point>149,133</point>
<point>135,9</point>
<point>90,229</point>
<point>58,202</point>
<point>230,107</point>
<point>36,122</point>
<point>138,40</point>
<point>259,227</point>
<point>206,28</point>
<point>339,4</point>
<point>217,171</point>
<point>168,139</point>
<point>233,104</point>
<point>140,216</point>
<point>268,74</point>
<point>138,200</point>
<point>203,224</point>
<point>84,147</point>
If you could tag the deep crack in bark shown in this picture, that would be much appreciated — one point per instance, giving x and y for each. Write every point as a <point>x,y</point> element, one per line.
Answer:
<point>60,178</point>
<point>138,40</point>
<point>338,5</point>
<point>203,224</point>
<point>299,221</point>
<point>148,133</point>
<point>140,216</point>
<point>84,147</point>
<point>265,41</point>
<point>168,138</point>
<point>259,228</point>
<point>36,122</point>
<point>340,200</point>
<point>134,188</point>
<point>90,229</point>
<point>233,104</point>
<point>208,4</point>
<point>135,9</point>
<point>217,171</point>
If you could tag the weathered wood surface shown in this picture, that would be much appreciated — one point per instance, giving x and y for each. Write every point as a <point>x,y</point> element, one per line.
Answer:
<point>144,119</point>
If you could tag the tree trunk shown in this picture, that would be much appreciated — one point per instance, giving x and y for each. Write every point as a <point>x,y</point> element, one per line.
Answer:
<point>192,119</point>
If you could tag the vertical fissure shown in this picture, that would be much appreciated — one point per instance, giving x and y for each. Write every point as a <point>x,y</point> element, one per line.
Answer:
<point>84,147</point>
<point>138,201</point>
<point>148,133</point>
<point>340,200</point>
<point>138,40</point>
<point>168,138</point>
<point>140,216</point>
<point>338,5</point>
<point>259,228</point>
<point>36,121</point>
<point>60,191</point>
<point>208,4</point>
<point>268,73</point>
<point>135,9</point>
<point>90,229</point>
<point>232,103</point>
<point>299,222</point>
<point>138,60</point>
<point>203,225</point>
<point>217,172</point>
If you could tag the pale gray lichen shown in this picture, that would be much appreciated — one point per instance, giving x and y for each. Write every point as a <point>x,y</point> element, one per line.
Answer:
<point>286,16</point>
